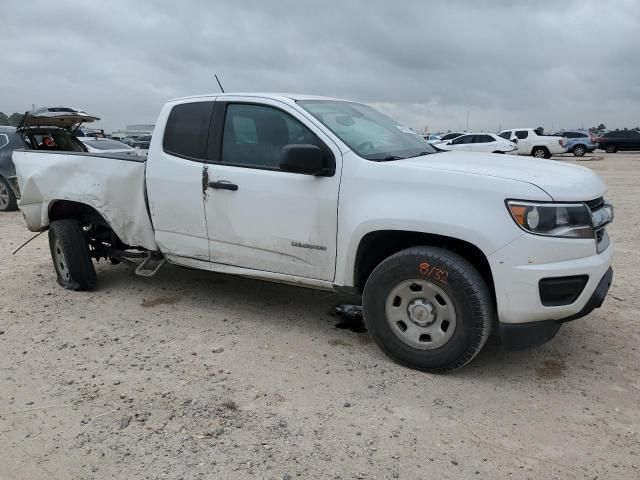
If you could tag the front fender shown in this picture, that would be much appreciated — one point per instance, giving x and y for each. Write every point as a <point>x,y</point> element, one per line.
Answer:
<point>452,204</point>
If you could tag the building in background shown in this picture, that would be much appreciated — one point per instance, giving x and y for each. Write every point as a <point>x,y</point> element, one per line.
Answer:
<point>134,131</point>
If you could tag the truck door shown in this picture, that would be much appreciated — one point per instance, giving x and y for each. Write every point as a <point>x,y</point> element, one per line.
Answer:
<point>260,217</point>
<point>523,139</point>
<point>174,182</point>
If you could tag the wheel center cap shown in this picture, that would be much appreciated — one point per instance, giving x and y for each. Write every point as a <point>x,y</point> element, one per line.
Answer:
<point>421,312</point>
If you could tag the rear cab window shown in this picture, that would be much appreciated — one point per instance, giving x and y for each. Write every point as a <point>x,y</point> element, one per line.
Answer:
<point>187,130</point>
<point>522,134</point>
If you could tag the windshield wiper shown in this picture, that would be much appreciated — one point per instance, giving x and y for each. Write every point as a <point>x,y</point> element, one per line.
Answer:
<point>421,154</point>
<point>389,158</point>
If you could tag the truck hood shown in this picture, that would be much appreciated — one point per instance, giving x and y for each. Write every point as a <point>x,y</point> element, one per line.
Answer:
<point>55,117</point>
<point>562,181</point>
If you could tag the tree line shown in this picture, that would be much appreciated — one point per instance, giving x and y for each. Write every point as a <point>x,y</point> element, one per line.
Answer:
<point>12,120</point>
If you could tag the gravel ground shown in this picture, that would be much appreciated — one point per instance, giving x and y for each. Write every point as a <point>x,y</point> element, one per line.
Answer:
<point>194,375</point>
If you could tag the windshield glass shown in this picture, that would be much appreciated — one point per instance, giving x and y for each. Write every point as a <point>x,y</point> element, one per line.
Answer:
<point>366,131</point>
<point>107,144</point>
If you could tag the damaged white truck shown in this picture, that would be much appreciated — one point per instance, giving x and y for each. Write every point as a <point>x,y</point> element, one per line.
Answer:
<point>443,247</point>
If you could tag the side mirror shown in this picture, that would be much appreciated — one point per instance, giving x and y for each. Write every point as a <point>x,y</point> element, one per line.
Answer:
<point>302,158</point>
<point>449,142</point>
<point>514,140</point>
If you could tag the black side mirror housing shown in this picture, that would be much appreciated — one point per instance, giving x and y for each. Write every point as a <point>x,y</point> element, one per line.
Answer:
<point>303,158</point>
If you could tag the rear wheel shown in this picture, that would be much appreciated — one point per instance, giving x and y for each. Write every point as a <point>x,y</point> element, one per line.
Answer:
<point>8,200</point>
<point>579,150</point>
<point>70,255</point>
<point>541,152</point>
<point>428,309</point>
<point>611,149</point>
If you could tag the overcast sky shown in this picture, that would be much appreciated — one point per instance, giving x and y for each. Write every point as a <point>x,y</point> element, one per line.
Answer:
<point>511,63</point>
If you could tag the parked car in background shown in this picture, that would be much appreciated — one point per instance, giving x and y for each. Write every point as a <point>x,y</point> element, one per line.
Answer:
<point>142,142</point>
<point>479,142</point>
<point>432,138</point>
<point>87,132</point>
<point>102,145</point>
<point>616,140</point>
<point>532,141</point>
<point>450,136</point>
<point>126,140</point>
<point>579,142</point>
<point>40,129</point>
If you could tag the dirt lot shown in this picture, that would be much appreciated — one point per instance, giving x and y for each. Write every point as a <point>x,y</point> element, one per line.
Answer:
<point>194,375</point>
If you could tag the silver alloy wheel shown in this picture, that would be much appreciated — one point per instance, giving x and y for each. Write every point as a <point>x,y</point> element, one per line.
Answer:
<point>539,153</point>
<point>61,262</point>
<point>421,314</point>
<point>579,151</point>
<point>4,196</point>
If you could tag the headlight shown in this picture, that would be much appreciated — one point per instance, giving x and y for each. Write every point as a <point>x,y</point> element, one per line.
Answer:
<point>566,220</point>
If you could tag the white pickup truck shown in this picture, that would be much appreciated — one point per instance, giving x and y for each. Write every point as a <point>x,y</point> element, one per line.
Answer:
<point>533,142</point>
<point>442,247</point>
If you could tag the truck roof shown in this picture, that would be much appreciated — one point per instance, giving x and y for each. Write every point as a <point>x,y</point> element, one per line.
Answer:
<point>283,97</point>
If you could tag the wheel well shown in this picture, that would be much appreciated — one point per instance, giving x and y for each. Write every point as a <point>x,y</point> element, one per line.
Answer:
<point>544,147</point>
<point>65,209</point>
<point>377,246</point>
<point>579,145</point>
<point>88,216</point>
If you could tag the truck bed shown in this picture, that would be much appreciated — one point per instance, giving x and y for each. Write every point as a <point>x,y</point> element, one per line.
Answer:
<point>113,184</point>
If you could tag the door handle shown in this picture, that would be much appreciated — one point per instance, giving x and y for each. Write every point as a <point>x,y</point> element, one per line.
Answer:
<point>223,185</point>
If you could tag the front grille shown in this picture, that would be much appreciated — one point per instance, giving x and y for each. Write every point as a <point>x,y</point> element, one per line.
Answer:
<point>595,204</point>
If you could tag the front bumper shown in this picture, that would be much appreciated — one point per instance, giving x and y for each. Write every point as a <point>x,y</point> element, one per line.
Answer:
<point>518,268</point>
<point>516,336</point>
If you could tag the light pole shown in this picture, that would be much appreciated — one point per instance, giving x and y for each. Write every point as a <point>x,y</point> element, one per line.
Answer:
<point>468,112</point>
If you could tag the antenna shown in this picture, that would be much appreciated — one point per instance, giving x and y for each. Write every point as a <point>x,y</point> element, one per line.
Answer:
<point>219,84</point>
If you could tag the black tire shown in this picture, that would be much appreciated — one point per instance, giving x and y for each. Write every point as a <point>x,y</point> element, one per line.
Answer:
<point>611,149</point>
<point>540,152</point>
<point>579,150</point>
<point>463,286</point>
<point>8,201</point>
<point>70,255</point>
<point>498,151</point>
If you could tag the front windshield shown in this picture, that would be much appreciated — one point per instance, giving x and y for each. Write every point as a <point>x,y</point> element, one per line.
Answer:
<point>366,131</point>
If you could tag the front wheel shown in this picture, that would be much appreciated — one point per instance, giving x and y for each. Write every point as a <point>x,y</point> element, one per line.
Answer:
<point>611,149</point>
<point>428,308</point>
<point>70,255</point>
<point>8,202</point>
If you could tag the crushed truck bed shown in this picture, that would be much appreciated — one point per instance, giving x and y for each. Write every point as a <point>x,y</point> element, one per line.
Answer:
<point>112,184</point>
